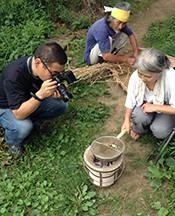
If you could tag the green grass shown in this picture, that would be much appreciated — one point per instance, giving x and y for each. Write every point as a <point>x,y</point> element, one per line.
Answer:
<point>26,26</point>
<point>161,35</point>
<point>49,179</point>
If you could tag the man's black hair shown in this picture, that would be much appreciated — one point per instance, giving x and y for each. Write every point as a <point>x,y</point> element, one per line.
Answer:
<point>51,52</point>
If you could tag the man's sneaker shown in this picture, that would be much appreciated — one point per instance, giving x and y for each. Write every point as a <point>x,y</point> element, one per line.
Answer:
<point>15,150</point>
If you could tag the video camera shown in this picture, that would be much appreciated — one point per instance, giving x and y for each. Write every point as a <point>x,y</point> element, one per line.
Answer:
<point>70,78</point>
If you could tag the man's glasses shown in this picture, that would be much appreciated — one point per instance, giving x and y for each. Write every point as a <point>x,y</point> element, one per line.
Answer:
<point>54,73</point>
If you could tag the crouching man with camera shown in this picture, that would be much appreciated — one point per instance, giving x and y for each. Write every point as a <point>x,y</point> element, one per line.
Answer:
<point>30,91</point>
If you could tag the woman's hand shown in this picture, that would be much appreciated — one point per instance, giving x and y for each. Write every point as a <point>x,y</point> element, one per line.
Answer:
<point>148,108</point>
<point>126,126</point>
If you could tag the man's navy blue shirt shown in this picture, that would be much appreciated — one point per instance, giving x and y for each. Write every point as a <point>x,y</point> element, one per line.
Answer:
<point>99,33</point>
<point>16,83</point>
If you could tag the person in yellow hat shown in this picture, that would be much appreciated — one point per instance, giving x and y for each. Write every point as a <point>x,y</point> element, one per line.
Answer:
<point>108,35</point>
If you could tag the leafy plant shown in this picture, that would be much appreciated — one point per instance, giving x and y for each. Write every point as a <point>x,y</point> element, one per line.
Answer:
<point>161,35</point>
<point>49,178</point>
<point>161,210</point>
<point>75,50</point>
<point>20,39</point>
<point>164,172</point>
<point>81,22</point>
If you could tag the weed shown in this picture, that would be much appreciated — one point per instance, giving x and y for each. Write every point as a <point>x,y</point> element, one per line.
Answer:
<point>75,50</point>
<point>130,154</point>
<point>20,39</point>
<point>61,31</point>
<point>113,107</point>
<point>49,178</point>
<point>115,203</point>
<point>161,210</point>
<point>158,176</point>
<point>161,35</point>
<point>81,22</point>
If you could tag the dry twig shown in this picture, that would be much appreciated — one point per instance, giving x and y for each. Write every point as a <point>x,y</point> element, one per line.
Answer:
<point>120,72</point>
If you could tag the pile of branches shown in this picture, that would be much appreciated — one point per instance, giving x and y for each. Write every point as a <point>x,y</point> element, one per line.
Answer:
<point>119,72</point>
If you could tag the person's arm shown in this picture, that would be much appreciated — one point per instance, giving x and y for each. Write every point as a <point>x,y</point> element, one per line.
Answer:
<point>133,43</point>
<point>130,102</point>
<point>117,59</point>
<point>28,107</point>
<point>126,123</point>
<point>149,108</point>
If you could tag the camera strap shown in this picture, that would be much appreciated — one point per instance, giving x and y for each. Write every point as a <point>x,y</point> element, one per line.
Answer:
<point>29,66</point>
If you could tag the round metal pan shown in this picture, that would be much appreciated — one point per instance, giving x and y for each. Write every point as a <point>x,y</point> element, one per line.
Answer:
<point>108,148</point>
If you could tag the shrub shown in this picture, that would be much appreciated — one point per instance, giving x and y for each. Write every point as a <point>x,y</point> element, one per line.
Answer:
<point>21,35</point>
<point>161,35</point>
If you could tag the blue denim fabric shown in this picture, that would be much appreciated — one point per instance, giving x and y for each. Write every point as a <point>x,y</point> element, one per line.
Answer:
<point>16,130</point>
<point>49,109</point>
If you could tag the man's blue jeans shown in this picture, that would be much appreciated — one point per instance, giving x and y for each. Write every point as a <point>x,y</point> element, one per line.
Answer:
<point>16,130</point>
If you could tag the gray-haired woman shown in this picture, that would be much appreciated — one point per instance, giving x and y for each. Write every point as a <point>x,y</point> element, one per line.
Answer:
<point>150,98</point>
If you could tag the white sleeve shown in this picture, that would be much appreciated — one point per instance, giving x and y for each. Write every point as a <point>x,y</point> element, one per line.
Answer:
<point>170,86</point>
<point>132,91</point>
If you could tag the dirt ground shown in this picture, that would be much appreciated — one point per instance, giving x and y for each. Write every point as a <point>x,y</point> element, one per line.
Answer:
<point>132,183</point>
<point>132,179</point>
<point>159,10</point>
<point>135,152</point>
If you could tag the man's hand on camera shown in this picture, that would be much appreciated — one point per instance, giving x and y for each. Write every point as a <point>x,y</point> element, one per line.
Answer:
<point>47,89</point>
<point>57,95</point>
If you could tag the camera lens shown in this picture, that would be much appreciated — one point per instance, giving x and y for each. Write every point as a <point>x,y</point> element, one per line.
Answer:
<point>63,92</point>
<point>70,78</point>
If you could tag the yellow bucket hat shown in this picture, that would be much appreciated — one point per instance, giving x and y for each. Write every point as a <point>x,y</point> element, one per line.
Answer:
<point>121,15</point>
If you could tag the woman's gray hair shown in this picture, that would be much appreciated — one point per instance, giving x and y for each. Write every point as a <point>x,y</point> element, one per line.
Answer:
<point>152,60</point>
<point>122,5</point>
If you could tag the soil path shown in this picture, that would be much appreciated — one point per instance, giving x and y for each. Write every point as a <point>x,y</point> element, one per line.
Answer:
<point>132,184</point>
<point>159,10</point>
